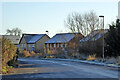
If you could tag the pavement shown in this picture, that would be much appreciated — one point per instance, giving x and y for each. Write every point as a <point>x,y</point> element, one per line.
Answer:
<point>89,62</point>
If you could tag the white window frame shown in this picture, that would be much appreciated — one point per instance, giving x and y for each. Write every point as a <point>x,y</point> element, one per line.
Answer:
<point>33,45</point>
<point>65,45</point>
<point>62,45</point>
<point>47,45</point>
<point>54,45</point>
<point>57,45</point>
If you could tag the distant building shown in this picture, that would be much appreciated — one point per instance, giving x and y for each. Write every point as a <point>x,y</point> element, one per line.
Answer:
<point>119,10</point>
<point>14,39</point>
<point>62,41</point>
<point>33,42</point>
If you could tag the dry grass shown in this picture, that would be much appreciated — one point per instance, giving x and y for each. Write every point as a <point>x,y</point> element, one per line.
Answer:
<point>92,57</point>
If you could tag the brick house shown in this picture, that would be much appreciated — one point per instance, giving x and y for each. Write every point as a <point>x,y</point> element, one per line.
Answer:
<point>33,42</point>
<point>61,41</point>
<point>93,43</point>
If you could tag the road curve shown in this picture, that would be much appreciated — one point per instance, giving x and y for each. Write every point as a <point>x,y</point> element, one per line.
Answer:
<point>42,68</point>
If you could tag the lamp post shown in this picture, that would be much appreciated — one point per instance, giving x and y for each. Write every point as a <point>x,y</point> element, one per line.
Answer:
<point>103,37</point>
<point>47,32</point>
<point>47,44</point>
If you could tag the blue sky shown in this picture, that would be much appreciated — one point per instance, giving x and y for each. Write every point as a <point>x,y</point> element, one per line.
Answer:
<point>37,17</point>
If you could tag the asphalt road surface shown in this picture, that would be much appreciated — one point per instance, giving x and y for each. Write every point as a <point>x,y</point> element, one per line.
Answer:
<point>40,69</point>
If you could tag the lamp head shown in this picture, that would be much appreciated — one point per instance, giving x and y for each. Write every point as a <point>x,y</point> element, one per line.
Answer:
<point>101,16</point>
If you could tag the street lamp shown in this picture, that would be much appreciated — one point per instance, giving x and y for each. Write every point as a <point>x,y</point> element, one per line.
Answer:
<point>47,44</point>
<point>47,32</point>
<point>103,36</point>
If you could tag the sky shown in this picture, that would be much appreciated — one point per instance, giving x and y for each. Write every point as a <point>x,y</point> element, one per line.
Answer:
<point>37,16</point>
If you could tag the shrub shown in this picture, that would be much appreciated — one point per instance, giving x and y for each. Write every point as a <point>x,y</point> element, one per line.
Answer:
<point>25,53</point>
<point>92,57</point>
<point>32,53</point>
<point>8,54</point>
<point>50,57</point>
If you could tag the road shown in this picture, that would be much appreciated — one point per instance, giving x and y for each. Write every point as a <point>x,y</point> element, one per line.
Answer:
<point>52,68</point>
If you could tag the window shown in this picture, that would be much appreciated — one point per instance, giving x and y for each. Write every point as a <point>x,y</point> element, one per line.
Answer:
<point>61,45</point>
<point>65,45</point>
<point>33,45</point>
<point>17,39</point>
<point>54,45</point>
<point>47,45</point>
<point>57,45</point>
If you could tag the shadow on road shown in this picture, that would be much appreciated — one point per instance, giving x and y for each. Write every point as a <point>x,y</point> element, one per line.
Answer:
<point>21,77</point>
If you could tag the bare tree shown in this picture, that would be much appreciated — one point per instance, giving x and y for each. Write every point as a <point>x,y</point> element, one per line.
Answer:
<point>17,31</point>
<point>14,31</point>
<point>8,31</point>
<point>82,23</point>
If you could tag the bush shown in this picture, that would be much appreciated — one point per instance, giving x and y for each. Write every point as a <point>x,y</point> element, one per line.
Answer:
<point>49,56</point>
<point>25,53</point>
<point>92,57</point>
<point>8,55</point>
<point>32,53</point>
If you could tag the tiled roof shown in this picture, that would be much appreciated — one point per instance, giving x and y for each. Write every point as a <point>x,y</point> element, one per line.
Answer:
<point>94,35</point>
<point>14,39</point>
<point>32,38</point>
<point>99,35</point>
<point>61,38</point>
<point>89,36</point>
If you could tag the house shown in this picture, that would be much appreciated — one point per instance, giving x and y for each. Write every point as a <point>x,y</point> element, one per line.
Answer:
<point>13,38</point>
<point>95,35</point>
<point>62,40</point>
<point>93,43</point>
<point>33,42</point>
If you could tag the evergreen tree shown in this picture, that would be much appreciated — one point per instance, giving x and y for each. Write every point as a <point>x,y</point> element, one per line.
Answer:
<point>113,39</point>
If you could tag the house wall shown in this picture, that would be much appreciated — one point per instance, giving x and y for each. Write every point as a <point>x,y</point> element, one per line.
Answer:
<point>52,47</point>
<point>40,44</point>
<point>23,44</point>
<point>74,43</point>
<point>30,46</point>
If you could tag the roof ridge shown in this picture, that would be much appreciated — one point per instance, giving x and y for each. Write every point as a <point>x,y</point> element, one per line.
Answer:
<point>33,34</point>
<point>9,35</point>
<point>68,33</point>
<point>58,38</point>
